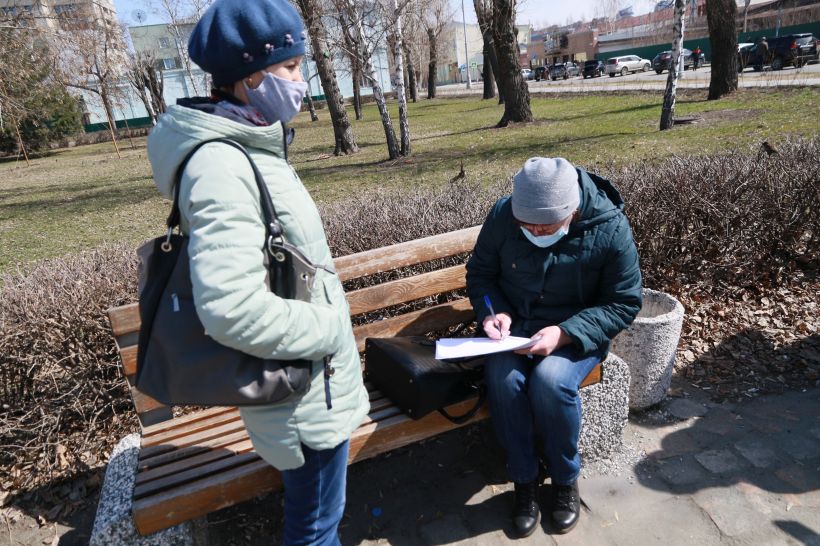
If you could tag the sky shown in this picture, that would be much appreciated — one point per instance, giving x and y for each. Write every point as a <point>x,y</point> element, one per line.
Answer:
<point>539,13</point>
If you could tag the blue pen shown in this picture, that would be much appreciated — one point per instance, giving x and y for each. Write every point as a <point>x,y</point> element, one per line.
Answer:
<point>492,312</point>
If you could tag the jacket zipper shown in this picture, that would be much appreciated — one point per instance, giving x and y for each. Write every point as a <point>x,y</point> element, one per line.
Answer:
<point>329,371</point>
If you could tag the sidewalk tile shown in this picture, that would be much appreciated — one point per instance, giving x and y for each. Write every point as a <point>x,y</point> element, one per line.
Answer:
<point>719,422</point>
<point>718,461</point>
<point>799,447</point>
<point>730,510</point>
<point>445,530</point>
<point>756,452</point>
<point>674,444</point>
<point>685,409</point>
<point>681,471</point>
<point>676,521</point>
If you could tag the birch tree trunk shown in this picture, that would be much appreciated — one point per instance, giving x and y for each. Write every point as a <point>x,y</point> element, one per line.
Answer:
<point>370,70</point>
<point>411,74</point>
<point>516,93</point>
<point>721,15</point>
<point>404,125</point>
<point>432,66</point>
<point>345,142</point>
<point>668,111</point>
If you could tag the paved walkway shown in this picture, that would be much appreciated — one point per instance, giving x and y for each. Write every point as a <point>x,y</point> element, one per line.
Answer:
<point>692,473</point>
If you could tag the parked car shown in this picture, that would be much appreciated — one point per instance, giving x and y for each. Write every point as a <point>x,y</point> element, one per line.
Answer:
<point>564,70</point>
<point>526,73</point>
<point>625,64</point>
<point>663,60</point>
<point>541,73</point>
<point>594,68</point>
<point>790,50</point>
<point>744,50</point>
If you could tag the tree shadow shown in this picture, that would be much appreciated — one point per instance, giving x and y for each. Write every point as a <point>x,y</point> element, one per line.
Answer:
<point>769,442</point>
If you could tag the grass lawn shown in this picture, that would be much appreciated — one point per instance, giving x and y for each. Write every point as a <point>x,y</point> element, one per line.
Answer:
<point>80,198</point>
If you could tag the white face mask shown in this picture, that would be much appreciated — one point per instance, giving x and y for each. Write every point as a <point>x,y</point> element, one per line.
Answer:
<point>543,241</point>
<point>277,98</point>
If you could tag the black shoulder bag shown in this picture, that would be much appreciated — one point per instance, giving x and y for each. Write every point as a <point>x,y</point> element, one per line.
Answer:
<point>178,363</point>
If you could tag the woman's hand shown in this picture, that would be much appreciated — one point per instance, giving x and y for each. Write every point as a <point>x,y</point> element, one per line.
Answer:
<point>498,329</point>
<point>550,339</point>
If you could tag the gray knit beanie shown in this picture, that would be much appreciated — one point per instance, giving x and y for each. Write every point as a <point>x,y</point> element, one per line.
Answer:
<point>545,191</point>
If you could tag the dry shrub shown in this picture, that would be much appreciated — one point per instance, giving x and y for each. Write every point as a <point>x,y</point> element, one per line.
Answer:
<point>739,219</point>
<point>62,393</point>
<point>717,221</point>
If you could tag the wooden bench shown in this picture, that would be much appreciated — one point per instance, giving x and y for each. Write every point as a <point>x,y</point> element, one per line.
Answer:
<point>204,461</point>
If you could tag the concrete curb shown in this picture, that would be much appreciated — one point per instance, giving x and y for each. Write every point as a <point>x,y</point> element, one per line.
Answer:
<point>648,347</point>
<point>113,523</point>
<point>605,411</point>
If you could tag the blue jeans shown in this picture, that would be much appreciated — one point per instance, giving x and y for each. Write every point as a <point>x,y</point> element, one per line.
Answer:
<point>531,398</point>
<point>315,497</point>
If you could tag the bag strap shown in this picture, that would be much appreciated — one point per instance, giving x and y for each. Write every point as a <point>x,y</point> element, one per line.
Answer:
<point>461,419</point>
<point>273,227</point>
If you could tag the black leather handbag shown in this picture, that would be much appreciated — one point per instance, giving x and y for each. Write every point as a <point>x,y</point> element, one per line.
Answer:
<point>406,371</point>
<point>178,363</point>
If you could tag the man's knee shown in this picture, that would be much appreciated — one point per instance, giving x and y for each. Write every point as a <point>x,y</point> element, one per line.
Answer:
<point>553,379</point>
<point>502,374</point>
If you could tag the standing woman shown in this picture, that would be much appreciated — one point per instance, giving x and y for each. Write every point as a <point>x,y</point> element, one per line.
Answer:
<point>253,51</point>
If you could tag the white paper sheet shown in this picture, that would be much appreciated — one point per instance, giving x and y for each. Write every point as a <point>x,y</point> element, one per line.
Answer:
<point>475,346</point>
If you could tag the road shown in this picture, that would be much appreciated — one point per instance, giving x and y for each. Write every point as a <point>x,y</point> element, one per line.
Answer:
<point>650,81</point>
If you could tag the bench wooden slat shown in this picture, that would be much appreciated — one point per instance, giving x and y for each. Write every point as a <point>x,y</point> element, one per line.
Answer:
<point>129,360</point>
<point>185,420</point>
<point>168,457</point>
<point>210,455</point>
<point>192,439</point>
<point>144,403</point>
<point>417,322</point>
<point>192,474</point>
<point>191,428</point>
<point>198,498</point>
<point>413,252</point>
<point>124,319</point>
<point>406,289</point>
<point>593,377</point>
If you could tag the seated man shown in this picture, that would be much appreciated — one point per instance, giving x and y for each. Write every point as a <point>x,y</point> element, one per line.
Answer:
<point>556,261</point>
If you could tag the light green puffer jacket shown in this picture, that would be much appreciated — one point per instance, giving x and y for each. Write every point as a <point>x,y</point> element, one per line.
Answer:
<point>219,205</point>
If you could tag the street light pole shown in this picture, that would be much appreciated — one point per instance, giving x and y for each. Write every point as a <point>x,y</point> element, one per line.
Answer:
<point>466,53</point>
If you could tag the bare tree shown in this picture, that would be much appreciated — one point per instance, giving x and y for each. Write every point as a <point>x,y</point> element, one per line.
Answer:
<point>434,18</point>
<point>746,13</point>
<point>484,14</point>
<point>516,93</point>
<point>148,82</point>
<point>92,59</point>
<point>721,16</point>
<point>181,16</point>
<point>345,143</point>
<point>668,110</point>
<point>352,16</point>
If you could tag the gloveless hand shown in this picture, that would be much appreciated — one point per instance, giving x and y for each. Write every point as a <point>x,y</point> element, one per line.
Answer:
<point>498,329</point>
<point>550,339</point>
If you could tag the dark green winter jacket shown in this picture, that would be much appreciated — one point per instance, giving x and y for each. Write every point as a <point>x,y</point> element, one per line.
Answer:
<point>588,283</point>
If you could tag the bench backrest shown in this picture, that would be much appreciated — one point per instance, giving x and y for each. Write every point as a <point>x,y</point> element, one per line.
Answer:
<point>125,320</point>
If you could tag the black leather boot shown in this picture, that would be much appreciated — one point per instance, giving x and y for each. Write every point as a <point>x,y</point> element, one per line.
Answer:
<point>566,507</point>
<point>526,514</point>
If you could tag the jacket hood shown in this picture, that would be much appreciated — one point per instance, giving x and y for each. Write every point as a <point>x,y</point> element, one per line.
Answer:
<point>600,201</point>
<point>181,128</point>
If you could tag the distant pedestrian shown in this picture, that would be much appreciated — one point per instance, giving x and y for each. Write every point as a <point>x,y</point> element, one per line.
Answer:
<point>762,53</point>
<point>696,53</point>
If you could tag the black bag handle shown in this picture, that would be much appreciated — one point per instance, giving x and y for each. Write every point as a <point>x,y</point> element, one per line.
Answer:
<point>461,419</point>
<point>273,227</point>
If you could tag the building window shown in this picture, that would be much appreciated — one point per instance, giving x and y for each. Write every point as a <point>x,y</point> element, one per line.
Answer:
<point>164,43</point>
<point>169,64</point>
